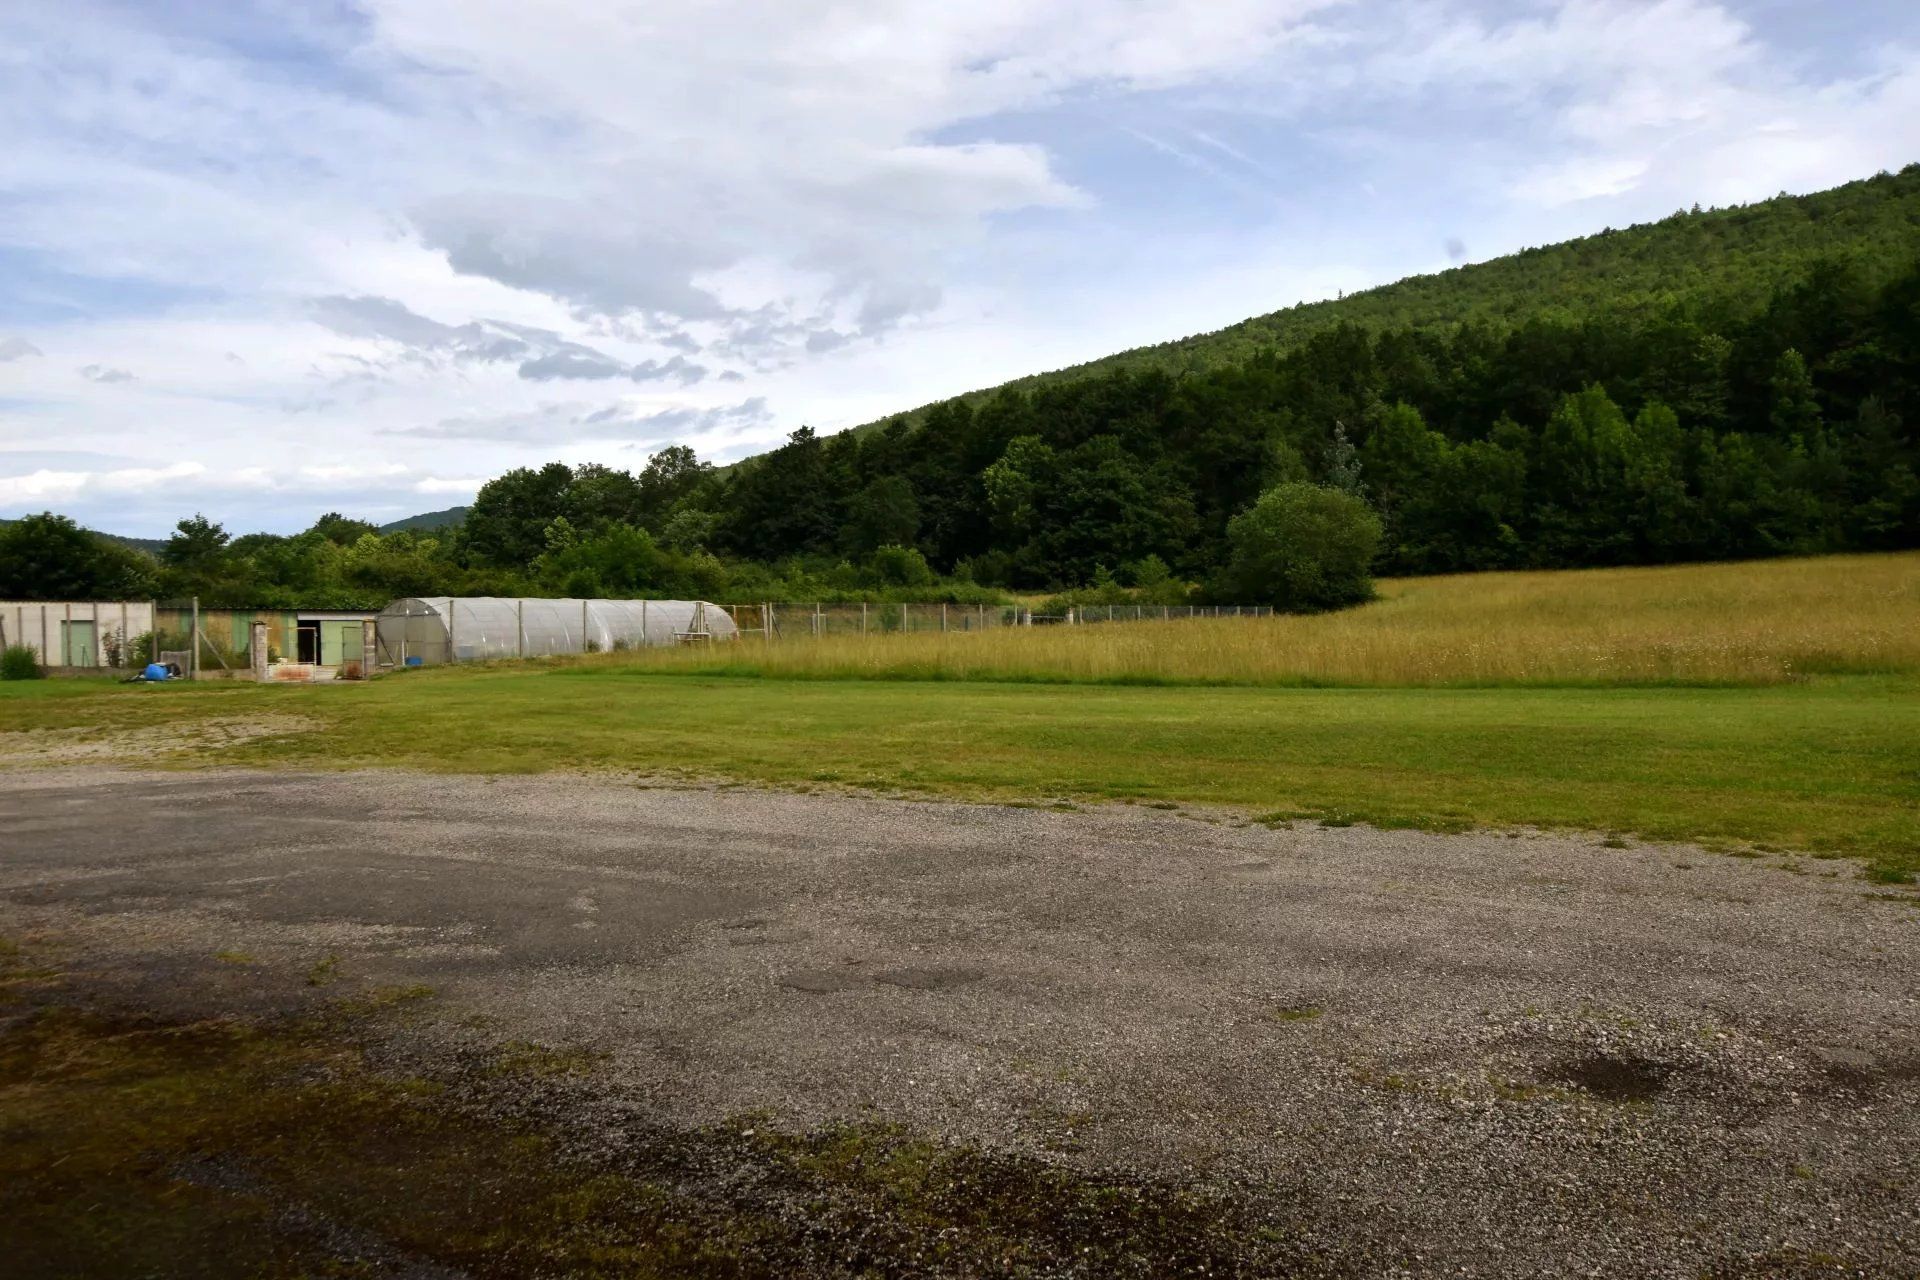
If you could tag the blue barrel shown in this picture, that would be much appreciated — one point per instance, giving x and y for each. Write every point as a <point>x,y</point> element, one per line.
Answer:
<point>415,660</point>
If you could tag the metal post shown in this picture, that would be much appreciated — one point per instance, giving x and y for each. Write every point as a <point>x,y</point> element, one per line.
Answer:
<point>583,624</point>
<point>903,619</point>
<point>193,649</point>
<point>66,632</point>
<point>943,616</point>
<point>453,655</point>
<point>863,617</point>
<point>520,627</point>
<point>45,661</point>
<point>126,658</point>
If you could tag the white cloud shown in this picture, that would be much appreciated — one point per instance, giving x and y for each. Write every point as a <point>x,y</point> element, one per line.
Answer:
<point>17,349</point>
<point>634,426</point>
<point>49,486</point>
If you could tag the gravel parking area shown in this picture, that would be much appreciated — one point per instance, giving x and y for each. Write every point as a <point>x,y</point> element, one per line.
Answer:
<point>1489,1054</point>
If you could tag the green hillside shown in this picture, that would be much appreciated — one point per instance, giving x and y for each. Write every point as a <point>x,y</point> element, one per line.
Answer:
<point>1720,385</point>
<point>427,520</point>
<point>1714,260</point>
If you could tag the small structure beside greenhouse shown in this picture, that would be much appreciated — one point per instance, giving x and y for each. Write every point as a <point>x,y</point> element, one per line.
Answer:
<point>76,635</point>
<point>429,630</point>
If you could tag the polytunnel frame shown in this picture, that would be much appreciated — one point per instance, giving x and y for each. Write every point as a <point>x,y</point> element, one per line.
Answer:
<point>430,630</point>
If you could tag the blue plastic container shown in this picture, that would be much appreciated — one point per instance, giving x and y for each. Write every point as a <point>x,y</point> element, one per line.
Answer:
<point>157,671</point>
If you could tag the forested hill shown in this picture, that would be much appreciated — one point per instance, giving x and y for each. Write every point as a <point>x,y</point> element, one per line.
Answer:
<point>1712,260</point>
<point>1722,385</point>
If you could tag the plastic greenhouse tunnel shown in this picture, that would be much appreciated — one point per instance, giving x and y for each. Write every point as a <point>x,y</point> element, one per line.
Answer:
<point>429,630</point>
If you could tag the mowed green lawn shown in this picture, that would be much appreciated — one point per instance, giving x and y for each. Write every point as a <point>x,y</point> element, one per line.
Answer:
<point>1829,765</point>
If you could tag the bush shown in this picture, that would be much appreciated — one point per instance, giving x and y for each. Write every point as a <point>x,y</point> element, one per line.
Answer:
<point>894,566</point>
<point>18,662</point>
<point>1302,549</point>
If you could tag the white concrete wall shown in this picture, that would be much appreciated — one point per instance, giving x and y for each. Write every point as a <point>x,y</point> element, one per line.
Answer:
<point>38,625</point>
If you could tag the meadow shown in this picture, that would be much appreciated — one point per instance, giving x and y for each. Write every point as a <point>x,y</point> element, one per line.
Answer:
<point>1755,623</point>
<point>1772,706</point>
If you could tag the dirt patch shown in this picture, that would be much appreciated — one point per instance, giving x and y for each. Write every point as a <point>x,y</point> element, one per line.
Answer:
<point>1614,1078</point>
<point>939,978</point>
<point>80,746</point>
<point>822,982</point>
<point>1864,1076</point>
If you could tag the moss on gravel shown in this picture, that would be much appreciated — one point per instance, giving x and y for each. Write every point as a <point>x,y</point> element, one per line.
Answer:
<point>131,1145</point>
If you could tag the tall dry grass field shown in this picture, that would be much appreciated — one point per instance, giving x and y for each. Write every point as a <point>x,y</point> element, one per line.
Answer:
<point>1762,622</point>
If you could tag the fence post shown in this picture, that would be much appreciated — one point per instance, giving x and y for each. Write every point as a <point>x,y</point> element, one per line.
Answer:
<point>816,620</point>
<point>193,648</point>
<point>583,624</point>
<point>905,626</point>
<point>257,651</point>
<point>943,617</point>
<point>520,627</point>
<point>453,654</point>
<point>863,617</point>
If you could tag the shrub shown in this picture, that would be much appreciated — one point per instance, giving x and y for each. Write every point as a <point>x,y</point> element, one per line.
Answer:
<point>1302,549</point>
<point>18,662</point>
<point>895,566</point>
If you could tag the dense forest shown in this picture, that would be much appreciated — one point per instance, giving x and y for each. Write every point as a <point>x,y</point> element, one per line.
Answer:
<point>1718,385</point>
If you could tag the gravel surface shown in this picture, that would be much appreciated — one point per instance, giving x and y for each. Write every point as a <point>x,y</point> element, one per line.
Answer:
<point>1491,1054</point>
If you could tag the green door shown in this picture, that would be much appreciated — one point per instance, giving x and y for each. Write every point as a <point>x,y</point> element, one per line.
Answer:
<point>339,642</point>
<point>77,646</point>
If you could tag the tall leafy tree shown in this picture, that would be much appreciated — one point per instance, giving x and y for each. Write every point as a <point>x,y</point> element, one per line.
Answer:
<point>49,557</point>
<point>507,524</point>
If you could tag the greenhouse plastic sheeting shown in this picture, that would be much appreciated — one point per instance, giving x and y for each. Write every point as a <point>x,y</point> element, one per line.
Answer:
<point>434,629</point>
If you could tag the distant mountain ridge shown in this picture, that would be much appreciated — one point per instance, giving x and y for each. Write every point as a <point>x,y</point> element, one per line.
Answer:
<point>424,520</point>
<point>427,520</point>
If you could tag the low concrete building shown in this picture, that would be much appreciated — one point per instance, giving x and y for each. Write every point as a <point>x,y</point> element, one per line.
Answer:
<point>318,638</point>
<point>82,635</point>
<point>76,634</point>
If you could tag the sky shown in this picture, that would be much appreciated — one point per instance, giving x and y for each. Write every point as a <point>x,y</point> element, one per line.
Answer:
<point>262,259</point>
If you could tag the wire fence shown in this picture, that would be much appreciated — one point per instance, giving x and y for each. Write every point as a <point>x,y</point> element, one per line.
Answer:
<point>781,620</point>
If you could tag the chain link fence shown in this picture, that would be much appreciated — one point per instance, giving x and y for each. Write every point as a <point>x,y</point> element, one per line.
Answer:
<point>782,620</point>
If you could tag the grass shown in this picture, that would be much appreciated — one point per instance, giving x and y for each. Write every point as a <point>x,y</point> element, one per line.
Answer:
<point>1813,759</point>
<point>1831,764</point>
<point>1766,622</point>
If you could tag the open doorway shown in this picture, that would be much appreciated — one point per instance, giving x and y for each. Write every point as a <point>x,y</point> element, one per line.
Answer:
<point>308,636</point>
